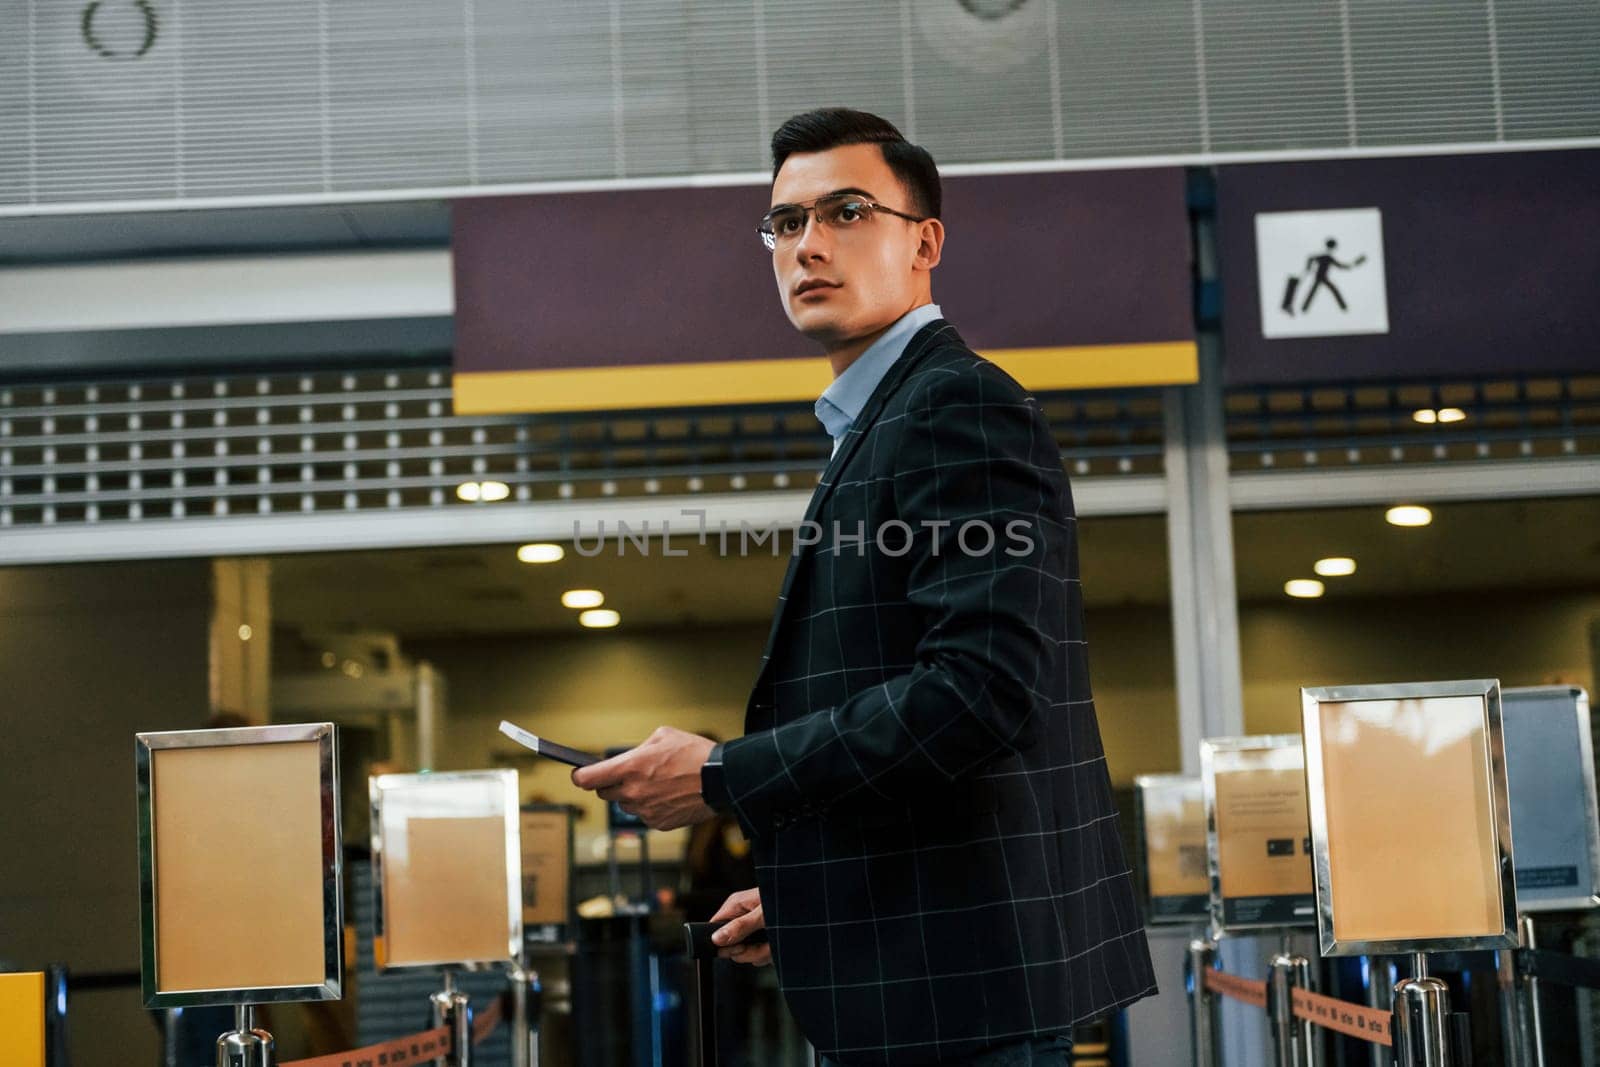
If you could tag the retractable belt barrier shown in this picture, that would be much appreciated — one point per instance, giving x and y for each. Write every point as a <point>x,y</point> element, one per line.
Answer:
<point>1249,990</point>
<point>1355,1020</point>
<point>483,1024</point>
<point>411,1049</point>
<point>1559,968</point>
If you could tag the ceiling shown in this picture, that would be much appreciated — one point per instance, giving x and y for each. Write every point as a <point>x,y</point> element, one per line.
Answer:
<point>416,593</point>
<point>1523,544</point>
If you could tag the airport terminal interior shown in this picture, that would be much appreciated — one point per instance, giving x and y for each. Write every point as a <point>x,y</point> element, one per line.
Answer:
<point>377,379</point>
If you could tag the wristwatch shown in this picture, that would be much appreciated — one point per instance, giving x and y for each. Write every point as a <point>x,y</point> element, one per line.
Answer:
<point>713,785</point>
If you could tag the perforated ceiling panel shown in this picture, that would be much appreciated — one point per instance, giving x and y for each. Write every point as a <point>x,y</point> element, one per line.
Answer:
<point>185,100</point>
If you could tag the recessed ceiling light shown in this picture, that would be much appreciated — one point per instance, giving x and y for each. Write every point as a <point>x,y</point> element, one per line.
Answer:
<point>599,618</point>
<point>245,632</point>
<point>488,492</point>
<point>1303,588</point>
<point>1408,515</point>
<point>1426,416</point>
<point>541,553</point>
<point>1335,567</point>
<point>582,598</point>
<point>1451,415</point>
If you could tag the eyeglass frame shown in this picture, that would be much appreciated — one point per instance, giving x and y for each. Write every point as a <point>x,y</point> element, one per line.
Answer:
<point>808,211</point>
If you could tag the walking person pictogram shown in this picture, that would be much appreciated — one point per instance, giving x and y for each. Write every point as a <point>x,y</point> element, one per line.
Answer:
<point>1316,270</point>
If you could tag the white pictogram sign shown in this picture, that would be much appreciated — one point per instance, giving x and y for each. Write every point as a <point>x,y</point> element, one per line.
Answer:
<point>1321,273</point>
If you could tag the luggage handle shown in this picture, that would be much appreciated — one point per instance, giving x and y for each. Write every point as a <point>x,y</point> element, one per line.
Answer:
<point>697,939</point>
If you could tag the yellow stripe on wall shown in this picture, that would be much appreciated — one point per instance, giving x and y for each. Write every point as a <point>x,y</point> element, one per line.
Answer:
<point>765,381</point>
<point>22,1019</point>
<point>1101,366</point>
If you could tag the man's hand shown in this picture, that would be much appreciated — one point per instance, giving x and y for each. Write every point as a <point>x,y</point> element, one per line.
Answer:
<point>659,781</point>
<point>743,910</point>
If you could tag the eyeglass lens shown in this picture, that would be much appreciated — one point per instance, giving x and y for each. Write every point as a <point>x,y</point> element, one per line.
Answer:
<point>788,223</point>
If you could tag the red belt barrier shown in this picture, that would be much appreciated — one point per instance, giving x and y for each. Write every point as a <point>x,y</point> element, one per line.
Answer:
<point>484,1022</point>
<point>411,1049</point>
<point>1231,985</point>
<point>1355,1020</point>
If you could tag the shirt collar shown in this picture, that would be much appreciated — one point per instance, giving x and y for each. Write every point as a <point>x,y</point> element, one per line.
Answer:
<point>847,394</point>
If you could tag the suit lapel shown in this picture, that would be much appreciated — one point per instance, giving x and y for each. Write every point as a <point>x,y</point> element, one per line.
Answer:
<point>921,343</point>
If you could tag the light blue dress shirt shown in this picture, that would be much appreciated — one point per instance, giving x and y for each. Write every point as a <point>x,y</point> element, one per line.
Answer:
<point>843,400</point>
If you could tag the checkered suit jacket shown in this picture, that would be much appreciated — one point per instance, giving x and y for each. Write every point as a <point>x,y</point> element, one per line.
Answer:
<point>922,775</point>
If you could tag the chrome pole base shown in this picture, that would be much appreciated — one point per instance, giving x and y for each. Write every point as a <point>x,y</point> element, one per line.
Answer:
<point>1422,1023</point>
<point>245,1046</point>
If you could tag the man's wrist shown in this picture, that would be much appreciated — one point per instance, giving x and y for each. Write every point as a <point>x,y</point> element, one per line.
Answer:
<point>713,783</point>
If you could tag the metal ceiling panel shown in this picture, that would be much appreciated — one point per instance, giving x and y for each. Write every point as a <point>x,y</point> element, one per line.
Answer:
<point>152,102</point>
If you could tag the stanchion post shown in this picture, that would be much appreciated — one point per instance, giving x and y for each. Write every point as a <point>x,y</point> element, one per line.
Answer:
<point>1422,1020</point>
<point>1205,1020</point>
<point>55,1016</point>
<point>452,1010</point>
<point>527,1006</point>
<point>1528,1000</point>
<point>1380,982</point>
<point>244,1045</point>
<point>1294,1040</point>
<point>1515,1038</point>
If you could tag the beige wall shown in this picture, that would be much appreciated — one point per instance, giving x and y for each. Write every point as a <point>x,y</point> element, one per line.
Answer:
<point>240,667</point>
<point>1130,665</point>
<point>589,691</point>
<point>1521,638</point>
<point>89,655</point>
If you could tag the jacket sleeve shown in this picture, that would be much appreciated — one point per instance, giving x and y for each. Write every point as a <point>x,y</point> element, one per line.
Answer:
<point>978,479</point>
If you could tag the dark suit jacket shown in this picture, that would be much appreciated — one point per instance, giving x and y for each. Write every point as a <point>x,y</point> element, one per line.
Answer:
<point>922,775</point>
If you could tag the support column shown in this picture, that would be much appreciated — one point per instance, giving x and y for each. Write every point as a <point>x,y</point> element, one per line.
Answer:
<point>429,709</point>
<point>1205,609</point>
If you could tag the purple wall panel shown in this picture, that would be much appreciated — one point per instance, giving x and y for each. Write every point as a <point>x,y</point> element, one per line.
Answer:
<point>678,275</point>
<point>1493,265</point>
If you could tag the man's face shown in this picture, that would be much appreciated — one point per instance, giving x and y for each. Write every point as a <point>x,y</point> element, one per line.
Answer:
<point>871,273</point>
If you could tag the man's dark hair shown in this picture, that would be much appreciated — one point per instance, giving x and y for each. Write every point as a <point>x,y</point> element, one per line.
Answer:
<point>835,127</point>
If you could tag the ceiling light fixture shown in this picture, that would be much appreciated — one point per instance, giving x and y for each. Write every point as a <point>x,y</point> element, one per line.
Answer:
<point>1408,515</point>
<point>1304,588</point>
<point>599,618</point>
<point>1426,416</point>
<point>541,553</point>
<point>1452,415</point>
<point>582,598</point>
<point>487,492</point>
<point>1335,567</point>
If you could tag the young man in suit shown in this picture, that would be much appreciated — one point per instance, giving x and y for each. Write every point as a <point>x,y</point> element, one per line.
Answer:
<point>921,775</point>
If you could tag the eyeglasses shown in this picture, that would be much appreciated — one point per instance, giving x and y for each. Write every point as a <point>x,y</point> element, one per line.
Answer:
<point>784,224</point>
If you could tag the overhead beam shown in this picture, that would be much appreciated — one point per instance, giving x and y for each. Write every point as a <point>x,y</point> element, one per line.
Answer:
<point>1421,483</point>
<point>226,291</point>
<point>480,524</point>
